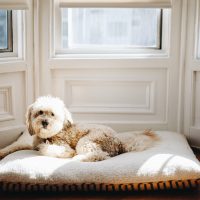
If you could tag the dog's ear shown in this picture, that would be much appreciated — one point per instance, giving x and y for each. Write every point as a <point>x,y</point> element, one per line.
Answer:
<point>68,118</point>
<point>28,120</point>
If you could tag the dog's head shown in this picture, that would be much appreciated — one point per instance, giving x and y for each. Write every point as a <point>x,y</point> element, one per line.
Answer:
<point>47,117</point>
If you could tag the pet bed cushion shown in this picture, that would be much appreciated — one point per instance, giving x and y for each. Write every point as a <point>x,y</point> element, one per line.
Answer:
<point>169,164</point>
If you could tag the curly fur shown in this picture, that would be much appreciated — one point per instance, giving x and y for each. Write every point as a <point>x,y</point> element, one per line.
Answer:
<point>55,134</point>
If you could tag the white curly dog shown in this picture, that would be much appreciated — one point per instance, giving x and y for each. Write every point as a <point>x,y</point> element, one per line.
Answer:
<point>50,130</point>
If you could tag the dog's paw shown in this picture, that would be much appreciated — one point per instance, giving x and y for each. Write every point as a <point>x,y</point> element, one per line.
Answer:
<point>55,151</point>
<point>79,158</point>
<point>91,157</point>
<point>67,154</point>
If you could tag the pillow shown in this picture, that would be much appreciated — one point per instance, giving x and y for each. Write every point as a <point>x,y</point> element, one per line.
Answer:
<point>170,164</point>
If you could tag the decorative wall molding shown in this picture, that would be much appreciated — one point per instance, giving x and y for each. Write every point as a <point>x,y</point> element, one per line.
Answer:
<point>119,96</point>
<point>6,104</point>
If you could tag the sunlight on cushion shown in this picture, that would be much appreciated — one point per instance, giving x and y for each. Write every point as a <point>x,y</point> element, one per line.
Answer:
<point>167,164</point>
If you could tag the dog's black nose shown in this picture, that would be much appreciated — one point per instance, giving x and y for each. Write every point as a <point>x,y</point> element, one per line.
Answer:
<point>45,123</point>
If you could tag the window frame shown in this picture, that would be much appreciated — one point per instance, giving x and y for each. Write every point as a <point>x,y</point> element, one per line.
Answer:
<point>57,52</point>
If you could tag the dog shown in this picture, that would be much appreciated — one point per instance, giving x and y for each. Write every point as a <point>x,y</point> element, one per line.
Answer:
<point>51,131</point>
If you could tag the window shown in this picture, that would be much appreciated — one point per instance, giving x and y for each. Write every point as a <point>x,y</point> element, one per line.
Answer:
<point>110,31</point>
<point>6,39</point>
<point>11,34</point>
<point>111,28</point>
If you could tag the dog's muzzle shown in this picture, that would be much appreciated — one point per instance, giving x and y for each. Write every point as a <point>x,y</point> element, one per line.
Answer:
<point>45,123</point>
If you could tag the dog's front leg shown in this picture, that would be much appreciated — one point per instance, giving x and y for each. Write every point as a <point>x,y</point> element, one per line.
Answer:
<point>24,142</point>
<point>54,150</point>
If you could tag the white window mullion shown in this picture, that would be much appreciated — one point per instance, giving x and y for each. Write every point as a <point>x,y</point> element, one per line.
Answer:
<point>116,3</point>
<point>70,28</point>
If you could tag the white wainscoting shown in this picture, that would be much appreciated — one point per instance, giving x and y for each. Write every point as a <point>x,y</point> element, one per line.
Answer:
<point>6,111</point>
<point>115,96</point>
<point>197,99</point>
<point>12,104</point>
<point>191,121</point>
<point>195,121</point>
<point>12,90</point>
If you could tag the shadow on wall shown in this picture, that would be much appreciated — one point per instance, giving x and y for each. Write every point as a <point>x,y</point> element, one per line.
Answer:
<point>9,136</point>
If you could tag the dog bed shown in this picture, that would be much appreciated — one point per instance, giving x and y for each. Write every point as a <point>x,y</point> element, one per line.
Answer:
<point>170,164</point>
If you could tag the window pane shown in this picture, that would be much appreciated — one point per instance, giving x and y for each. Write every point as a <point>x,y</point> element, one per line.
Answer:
<point>110,27</point>
<point>3,30</point>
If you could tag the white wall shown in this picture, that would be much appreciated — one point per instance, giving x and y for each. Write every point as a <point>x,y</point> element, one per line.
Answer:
<point>192,75</point>
<point>124,92</point>
<point>16,83</point>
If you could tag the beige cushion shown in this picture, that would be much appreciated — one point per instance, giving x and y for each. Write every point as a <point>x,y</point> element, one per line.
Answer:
<point>169,160</point>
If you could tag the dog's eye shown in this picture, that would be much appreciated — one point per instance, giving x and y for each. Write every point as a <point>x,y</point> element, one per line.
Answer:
<point>52,114</point>
<point>40,112</point>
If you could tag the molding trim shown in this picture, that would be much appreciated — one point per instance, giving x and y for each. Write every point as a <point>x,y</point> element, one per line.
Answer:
<point>114,63</point>
<point>147,108</point>
<point>7,112</point>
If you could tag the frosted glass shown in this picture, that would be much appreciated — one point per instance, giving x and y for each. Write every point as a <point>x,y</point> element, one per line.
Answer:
<point>115,27</point>
<point>3,29</point>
